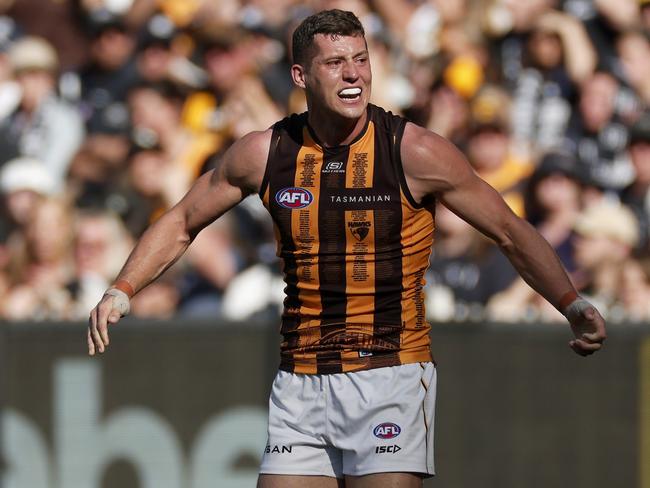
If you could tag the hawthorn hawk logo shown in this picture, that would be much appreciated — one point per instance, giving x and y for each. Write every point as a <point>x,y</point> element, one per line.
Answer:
<point>359,230</point>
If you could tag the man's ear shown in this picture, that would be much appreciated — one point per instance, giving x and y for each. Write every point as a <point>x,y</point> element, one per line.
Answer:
<point>298,75</point>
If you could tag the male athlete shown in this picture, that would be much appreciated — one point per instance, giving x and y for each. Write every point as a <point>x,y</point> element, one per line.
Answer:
<point>351,190</point>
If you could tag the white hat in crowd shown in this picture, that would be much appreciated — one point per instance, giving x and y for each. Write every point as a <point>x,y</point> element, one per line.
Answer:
<point>33,53</point>
<point>609,219</point>
<point>26,174</point>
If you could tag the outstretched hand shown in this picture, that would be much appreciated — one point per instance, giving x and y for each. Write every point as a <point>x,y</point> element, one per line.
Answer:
<point>112,307</point>
<point>588,327</point>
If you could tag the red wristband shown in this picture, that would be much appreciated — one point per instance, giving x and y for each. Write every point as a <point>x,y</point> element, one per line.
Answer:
<point>124,286</point>
<point>567,299</point>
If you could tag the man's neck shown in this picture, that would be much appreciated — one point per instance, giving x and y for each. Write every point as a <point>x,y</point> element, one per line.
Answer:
<point>333,130</point>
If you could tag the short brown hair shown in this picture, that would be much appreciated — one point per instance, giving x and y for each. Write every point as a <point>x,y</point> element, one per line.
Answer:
<point>334,22</point>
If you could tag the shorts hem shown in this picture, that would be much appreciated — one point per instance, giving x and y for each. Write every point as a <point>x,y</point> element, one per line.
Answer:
<point>396,469</point>
<point>293,472</point>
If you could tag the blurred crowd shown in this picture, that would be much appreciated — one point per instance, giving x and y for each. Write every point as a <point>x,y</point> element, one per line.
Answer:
<point>110,109</point>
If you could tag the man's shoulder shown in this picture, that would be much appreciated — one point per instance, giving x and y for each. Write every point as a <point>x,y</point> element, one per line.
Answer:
<point>418,139</point>
<point>427,155</point>
<point>253,147</point>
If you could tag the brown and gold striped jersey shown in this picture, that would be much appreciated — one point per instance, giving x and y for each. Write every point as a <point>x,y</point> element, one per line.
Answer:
<point>355,247</point>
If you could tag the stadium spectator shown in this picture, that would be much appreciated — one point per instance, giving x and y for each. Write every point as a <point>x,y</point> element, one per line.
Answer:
<point>637,195</point>
<point>152,176</point>
<point>633,304</point>
<point>101,242</point>
<point>634,53</point>
<point>598,135</point>
<point>558,56</point>
<point>24,184</point>
<point>466,270</point>
<point>553,202</point>
<point>43,126</point>
<point>42,265</point>
<point>58,21</point>
<point>606,234</point>
<point>109,75</point>
<point>156,116</point>
<point>490,150</point>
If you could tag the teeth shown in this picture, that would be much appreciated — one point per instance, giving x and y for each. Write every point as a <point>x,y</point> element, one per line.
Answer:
<point>350,92</point>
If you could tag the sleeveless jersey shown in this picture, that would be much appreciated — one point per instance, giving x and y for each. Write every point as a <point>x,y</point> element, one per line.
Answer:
<point>355,247</point>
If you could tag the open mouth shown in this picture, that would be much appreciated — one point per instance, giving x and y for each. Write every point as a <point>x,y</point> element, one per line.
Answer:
<point>350,94</point>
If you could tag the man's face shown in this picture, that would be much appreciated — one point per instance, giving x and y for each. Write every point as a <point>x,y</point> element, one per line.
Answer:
<point>338,78</point>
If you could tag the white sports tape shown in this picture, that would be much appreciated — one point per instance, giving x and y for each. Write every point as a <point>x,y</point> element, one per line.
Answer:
<point>121,300</point>
<point>575,308</point>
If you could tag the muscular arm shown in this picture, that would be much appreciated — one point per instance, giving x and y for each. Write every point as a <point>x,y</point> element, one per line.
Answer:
<point>436,170</point>
<point>164,242</point>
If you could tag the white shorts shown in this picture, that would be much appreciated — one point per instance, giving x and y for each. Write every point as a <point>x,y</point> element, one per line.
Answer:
<point>373,421</point>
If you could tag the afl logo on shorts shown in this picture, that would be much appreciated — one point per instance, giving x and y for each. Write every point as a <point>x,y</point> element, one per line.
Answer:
<point>294,198</point>
<point>387,430</point>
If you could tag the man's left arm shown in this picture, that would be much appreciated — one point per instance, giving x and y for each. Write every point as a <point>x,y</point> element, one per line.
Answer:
<point>435,169</point>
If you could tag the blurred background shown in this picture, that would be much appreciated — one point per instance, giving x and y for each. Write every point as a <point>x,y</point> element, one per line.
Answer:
<point>110,109</point>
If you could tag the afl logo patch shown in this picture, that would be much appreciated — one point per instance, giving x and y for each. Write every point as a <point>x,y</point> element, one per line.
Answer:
<point>387,430</point>
<point>294,198</point>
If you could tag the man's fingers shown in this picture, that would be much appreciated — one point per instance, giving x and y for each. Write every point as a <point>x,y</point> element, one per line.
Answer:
<point>91,345</point>
<point>101,325</point>
<point>103,332</point>
<point>92,330</point>
<point>594,337</point>
<point>114,305</point>
<point>99,344</point>
<point>113,317</point>
<point>579,351</point>
<point>588,346</point>
<point>584,348</point>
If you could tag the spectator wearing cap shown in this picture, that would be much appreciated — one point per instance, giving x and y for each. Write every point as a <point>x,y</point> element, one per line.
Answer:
<point>23,182</point>
<point>490,151</point>
<point>154,58</point>
<point>637,194</point>
<point>43,126</point>
<point>606,234</point>
<point>109,75</point>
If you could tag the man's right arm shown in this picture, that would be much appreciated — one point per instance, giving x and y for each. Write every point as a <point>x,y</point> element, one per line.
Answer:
<point>164,242</point>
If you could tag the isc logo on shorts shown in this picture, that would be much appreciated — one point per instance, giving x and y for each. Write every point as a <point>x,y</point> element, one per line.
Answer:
<point>294,197</point>
<point>387,449</point>
<point>387,430</point>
